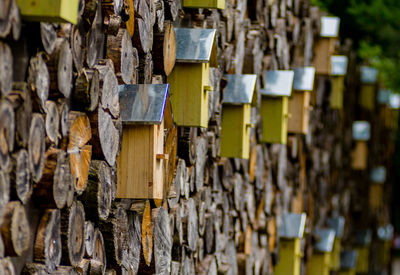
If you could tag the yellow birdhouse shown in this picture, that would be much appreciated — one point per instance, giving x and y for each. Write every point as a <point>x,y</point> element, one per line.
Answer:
<point>299,102</point>
<point>206,4</point>
<point>369,78</point>
<point>336,224</point>
<point>384,245</point>
<point>377,178</point>
<point>274,109</point>
<point>142,159</point>
<point>189,80</point>
<point>362,245</point>
<point>325,45</point>
<point>393,111</point>
<point>361,135</point>
<point>236,116</point>
<point>57,11</point>
<point>320,261</point>
<point>338,72</point>
<point>348,261</point>
<point>290,252</point>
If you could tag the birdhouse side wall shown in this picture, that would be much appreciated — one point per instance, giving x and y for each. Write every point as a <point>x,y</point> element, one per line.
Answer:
<point>299,105</point>
<point>360,156</point>
<point>289,257</point>
<point>362,259</point>
<point>209,4</point>
<point>323,50</point>
<point>367,97</point>
<point>319,264</point>
<point>336,96</point>
<point>274,115</point>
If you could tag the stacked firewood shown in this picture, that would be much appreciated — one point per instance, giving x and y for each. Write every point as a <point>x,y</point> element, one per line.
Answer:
<point>60,135</point>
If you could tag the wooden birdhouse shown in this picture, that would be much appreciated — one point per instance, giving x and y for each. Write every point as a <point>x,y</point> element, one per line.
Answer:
<point>205,4</point>
<point>299,102</point>
<point>393,111</point>
<point>274,109</point>
<point>236,116</point>
<point>348,261</point>
<point>361,135</point>
<point>336,224</point>
<point>384,244</point>
<point>290,252</point>
<point>57,11</point>
<point>338,73</point>
<point>142,158</point>
<point>362,245</point>
<point>369,77</point>
<point>189,80</point>
<point>377,179</point>
<point>320,261</point>
<point>325,45</point>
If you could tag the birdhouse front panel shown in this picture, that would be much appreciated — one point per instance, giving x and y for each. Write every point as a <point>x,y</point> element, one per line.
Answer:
<point>206,4</point>
<point>375,196</point>
<point>335,257</point>
<point>362,259</point>
<point>337,89</point>
<point>323,50</point>
<point>367,97</point>
<point>348,260</point>
<point>58,11</point>
<point>142,160</point>
<point>274,113</point>
<point>299,108</point>
<point>319,264</point>
<point>289,257</point>
<point>360,156</point>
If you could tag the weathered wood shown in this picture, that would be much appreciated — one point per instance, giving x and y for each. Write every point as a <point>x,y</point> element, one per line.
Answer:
<point>187,137</point>
<point>34,269</point>
<point>15,229</point>
<point>52,122</point>
<point>7,134</point>
<point>145,68</point>
<point>95,39</point>
<point>73,234</point>
<point>47,248</point>
<point>143,34</point>
<point>190,224</point>
<point>99,252</point>
<point>109,98</point>
<point>77,41</point>
<point>85,96</point>
<point>112,24</point>
<point>147,234</point>
<point>48,35</point>
<point>7,267</point>
<point>64,117</point>
<point>164,51</point>
<point>5,193</point>
<point>36,147</point>
<point>39,79</point>
<point>6,69</point>
<point>89,239</point>
<point>21,176</point>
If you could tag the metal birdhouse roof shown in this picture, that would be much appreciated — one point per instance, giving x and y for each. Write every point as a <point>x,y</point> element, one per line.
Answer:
<point>326,238</point>
<point>196,46</point>
<point>361,130</point>
<point>278,83</point>
<point>363,238</point>
<point>336,224</point>
<point>369,75</point>
<point>240,88</point>
<point>348,259</point>
<point>384,96</point>
<point>339,65</point>
<point>304,79</point>
<point>394,101</point>
<point>293,225</point>
<point>142,103</point>
<point>329,26</point>
<point>378,174</point>
<point>385,233</point>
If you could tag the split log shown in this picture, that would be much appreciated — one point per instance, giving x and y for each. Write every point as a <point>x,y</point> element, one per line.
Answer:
<point>1,248</point>
<point>135,241</point>
<point>85,96</point>
<point>164,51</point>
<point>39,79</point>
<point>80,153</point>
<point>6,17</point>
<point>109,97</point>
<point>190,224</point>
<point>130,22</point>
<point>145,69</point>
<point>112,24</point>
<point>160,14</point>
<point>7,267</point>
<point>95,38</point>
<point>48,34</point>
<point>172,8</point>
<point>143,34</point>
<point>147,234</point>
<point>36,147</point>
<point>6,69</point>
<point>7,134</point>
<point>89,239</point>
<point>34,269</point>
<point>21,176</point>
<point>99,253</point>
<point>64,117</point>
<point>89,12</point>
<point>47,247</point>
<point>187,137</point>
<point>98,194</point>
<point>112,6</point>
<point>15,229</point>
<point>52,122</point>
<point>21,101</point>
<point>4,193</point>
<point>122,53</point>
<point>77,41</point>
<point>73,234</point>
<point>201,160</point>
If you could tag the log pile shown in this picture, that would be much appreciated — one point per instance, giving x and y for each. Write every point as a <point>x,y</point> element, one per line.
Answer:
<point>60,135</point>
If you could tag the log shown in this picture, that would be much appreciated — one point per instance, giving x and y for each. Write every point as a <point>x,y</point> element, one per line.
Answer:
<point>85,96</point>
<point>80,153</point>
<point>7,134</point>
<point>34,269</point>
<point>190,224</point>
<point>187,137</point>
<point>172,8</point>
<point>109,98</point>
<point>143,34</point>
<point>73,234</point>
<point>48,34</point>
<point>122,53</point>
<point>6,69</point>
<point>135,240</point>
<point>164,51</point>
<point>95,39</point>
<point>77,41</point>
<point>145,69</point>
<point>64,116</point>
<point>99,252</point>
<point>15,229</point>
<point>112,6</point>
<point>47,248</point>
<point>147,234</point>
<point>201,160</point>
<point>98,194</point>
<point>36,147</point>
<point>130,22</point>
<point>21,176</point>
<point>7,267</point>
<point>112,24</point>
<point>52,122</point>
<point>4,193</point>
<point>39,79</point>
<point>89,239</point>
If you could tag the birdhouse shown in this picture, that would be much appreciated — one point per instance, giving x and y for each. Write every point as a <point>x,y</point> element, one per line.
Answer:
<point>142,158</point>
<point>325,45</point>
<point>384,244</point>
<point>348,260</point>
<point>57,11</point>
<point>392,120</point>
<point>274,110</point>
<point>290,253</point>
<point>299,102</point>
<point>236,116</point>
<point>320,260</point>
<point>336,224</point>
<point>205,4</point>
<point>338,72</point>
<point>384,96</point>
<point>377,178</point>
<point>369,78</point>
<point>361,135</point>
<point>189,80</point>
<point>362,244</point>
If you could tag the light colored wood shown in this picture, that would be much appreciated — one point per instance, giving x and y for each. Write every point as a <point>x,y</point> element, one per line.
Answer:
<point>337,88</point>
<point>367,97</point>
<point>375,196</point>
<point>299,107</point>
<point>274,115</point>
<point>235,131</point>
<point>362,259</point>
<point>289,257</point>
<point>360,156</point>
<point>323,50</point>
<point>319,264</point>
<point>335,257</point>
<point>141,162</point>
<point>207,4</point>
<point>189,85</point>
